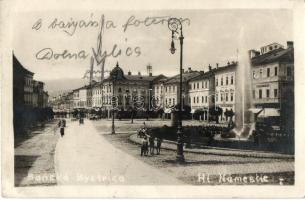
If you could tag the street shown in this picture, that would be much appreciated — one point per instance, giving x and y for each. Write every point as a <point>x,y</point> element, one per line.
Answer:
<point>89,155</point>
<point>82,156</point>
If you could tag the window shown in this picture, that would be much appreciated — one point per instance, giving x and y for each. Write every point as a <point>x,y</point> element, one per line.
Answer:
<point>216,81</point>
<point>206,84</point>
<point>221,97</point>
<point>221,82</point>
<point>227,97</point>
<point>253,94</point>
<point>174,101</point>
<point>232,80</point>
<point>227,80</point>
<point>194,86</point>
<point>261,73</point>
<point>201,84</point>
<point>288,71</point>
<point>216,97</point>
<point>275,71</point>
<point>268,72</point>
<point>165,101</point>
<point>260,94</point>
<point>120,90</point>
<point>197,85</point>
<point>267,93</point>
<point>166,89</point>
<point>275,93</point>
<point>194,100</point>
<point>197,99</point>
<point>202,99</point>
<point>232,96</point>
<point>170,101</point>
<point>206,99</point>
<point>169,89</point>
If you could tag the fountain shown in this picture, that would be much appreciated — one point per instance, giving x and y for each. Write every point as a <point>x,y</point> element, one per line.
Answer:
<point>244,118</point>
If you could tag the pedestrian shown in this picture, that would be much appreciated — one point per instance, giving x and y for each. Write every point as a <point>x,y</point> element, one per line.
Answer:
<point>62,129</point>
<point>59,123</point>
<point>64,122</point>
<point>151,144</point>
<point>144,146</point>
<point>159,141</point>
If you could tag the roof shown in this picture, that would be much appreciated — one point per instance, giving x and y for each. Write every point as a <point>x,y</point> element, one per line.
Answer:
<point>226,67</point>
<point>186,76</point>
<point>83,87</point>
<point>274,56</point>
<point>207,74</point>
<point>17,65</point>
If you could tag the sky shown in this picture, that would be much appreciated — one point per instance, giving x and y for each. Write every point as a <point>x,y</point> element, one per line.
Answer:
<point>213,36</point>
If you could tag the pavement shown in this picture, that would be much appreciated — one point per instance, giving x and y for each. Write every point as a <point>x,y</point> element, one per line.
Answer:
<point>170,145</point>
<point>34,157</point>
<point>83,156</point>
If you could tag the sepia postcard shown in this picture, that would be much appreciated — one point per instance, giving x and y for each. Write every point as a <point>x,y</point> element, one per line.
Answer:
<point>152,99</point>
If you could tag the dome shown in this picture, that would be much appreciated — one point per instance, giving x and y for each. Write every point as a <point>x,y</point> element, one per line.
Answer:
<point>117,73</point>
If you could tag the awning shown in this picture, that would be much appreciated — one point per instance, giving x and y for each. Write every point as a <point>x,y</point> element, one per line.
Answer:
<point>168,110</point>
<point>193,111</point>
<point>270,112</point>
<point>255,110</point>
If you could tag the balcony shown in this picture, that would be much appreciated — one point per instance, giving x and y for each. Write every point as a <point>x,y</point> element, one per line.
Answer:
<point>266,100</point>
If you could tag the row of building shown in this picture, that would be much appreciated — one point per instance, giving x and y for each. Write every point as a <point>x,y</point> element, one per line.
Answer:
<point>272,81</point>
<point>30,100</point>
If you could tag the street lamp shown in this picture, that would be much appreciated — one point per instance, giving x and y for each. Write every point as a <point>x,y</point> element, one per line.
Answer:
<point>174,24</point>
<point>112,102</point>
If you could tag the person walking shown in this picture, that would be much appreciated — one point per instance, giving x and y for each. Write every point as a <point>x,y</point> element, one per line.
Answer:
<point>62,128</point>
<point>159,142</point>
<point>144,146</point>
<point>151,144</point>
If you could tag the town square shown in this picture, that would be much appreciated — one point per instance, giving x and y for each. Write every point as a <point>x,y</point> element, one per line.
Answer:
<point>156,98</point>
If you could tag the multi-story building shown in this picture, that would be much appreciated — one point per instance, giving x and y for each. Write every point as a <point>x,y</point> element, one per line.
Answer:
<point>45,99</point>
<point>97,95</point>
<point>273,80</point>
<point>158,93</point>
<point>27,97</point>
<point>37,95</point>
<point>225,88</point>
<point>82,97</point>
<point>172,88</point>
<point>201,92</point>
<point>129,91</point>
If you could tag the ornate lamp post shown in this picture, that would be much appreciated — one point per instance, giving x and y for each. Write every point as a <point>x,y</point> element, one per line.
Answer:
<point>113,99</point>
<point>174,24</point>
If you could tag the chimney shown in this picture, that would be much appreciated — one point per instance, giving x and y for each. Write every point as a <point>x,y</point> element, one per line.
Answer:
<point>228,62</point>
<point>254,53</point>
<point>150,74</point>
<point>190,69</point>
<point>289,44</point>
<point>149,69</point>
<point>129,73</point>
<point>139,73</point>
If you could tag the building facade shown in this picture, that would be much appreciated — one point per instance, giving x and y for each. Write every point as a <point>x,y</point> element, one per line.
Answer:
<point>225,88</point>
<point>273,82</point>
<point>172,88</point>
<point>202,93</point>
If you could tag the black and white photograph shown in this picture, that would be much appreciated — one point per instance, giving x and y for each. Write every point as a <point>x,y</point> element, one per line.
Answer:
<point>152,97</point>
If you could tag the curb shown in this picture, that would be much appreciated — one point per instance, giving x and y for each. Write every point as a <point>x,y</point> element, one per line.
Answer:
<point>207,150</point>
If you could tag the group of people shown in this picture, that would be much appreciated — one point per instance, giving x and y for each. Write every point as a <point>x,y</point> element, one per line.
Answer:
<point>149,144</point>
